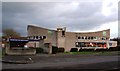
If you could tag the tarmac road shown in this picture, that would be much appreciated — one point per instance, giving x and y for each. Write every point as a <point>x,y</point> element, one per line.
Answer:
<point>67,62</point>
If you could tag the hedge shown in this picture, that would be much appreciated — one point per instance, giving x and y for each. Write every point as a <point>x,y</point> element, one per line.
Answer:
<point>39,50</point>
<point>87,50</point>
<point>61,49</point>
<point>114,48</point>
<point>74,50</point>
<point>54,49</point>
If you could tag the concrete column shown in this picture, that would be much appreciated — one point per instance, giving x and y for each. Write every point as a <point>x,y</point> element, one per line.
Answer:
<point>107,44</point>
<point>7,48</point>
<point>50,48</point>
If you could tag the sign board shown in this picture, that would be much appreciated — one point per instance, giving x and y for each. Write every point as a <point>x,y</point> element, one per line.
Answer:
<point>22,40</point>
<point>104,33</point>
<point>18,40</point>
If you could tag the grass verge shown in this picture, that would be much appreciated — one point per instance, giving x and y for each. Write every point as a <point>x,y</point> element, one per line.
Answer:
<point>94,52</point>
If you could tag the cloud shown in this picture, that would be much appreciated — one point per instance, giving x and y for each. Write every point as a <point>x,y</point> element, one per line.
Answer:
<point>80,16</point>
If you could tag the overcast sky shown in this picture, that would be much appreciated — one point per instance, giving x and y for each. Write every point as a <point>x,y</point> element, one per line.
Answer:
<point>82,16</point>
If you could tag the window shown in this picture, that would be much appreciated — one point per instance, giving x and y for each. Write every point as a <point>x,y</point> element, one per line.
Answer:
<point>40,37</point>
<point>34,37</point>
<point>44,37</point>
<point>106,38</point>
<point>91,37</point>
<point>88,44</point>
<point>82,44</point>
<point>77,44</point>
<point>63,33</point>
<point>78,37</point>
<point>103,38</point>
<point>85,37</point>
<point>82,37</point>
<point>95,38</point>
<point>101,44</point>
<point>110,44</point>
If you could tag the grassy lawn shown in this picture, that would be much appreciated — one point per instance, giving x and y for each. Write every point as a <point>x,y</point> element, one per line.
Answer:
<point>93,52</point>
<point>2,53</point>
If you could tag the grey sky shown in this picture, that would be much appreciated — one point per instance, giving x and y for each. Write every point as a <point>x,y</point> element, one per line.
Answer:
<point>76,16</point>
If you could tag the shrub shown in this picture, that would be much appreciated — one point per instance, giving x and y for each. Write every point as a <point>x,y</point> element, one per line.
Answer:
<point>80,49</point>
<point>113,48</point>
<point>118,48</point>
<point>74,50</point>
<point>39,50</point>
<point>61,49</point>
<point>87,50</point>
<point>101,50</point>
<point>54,49</point>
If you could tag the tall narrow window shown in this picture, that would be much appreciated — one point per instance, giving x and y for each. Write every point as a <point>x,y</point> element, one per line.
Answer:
<point>103,38</point>
<point>95,38</point>
<point>77,44</point>
<point>34,37</point>
<point>63,33</point>
<point>44,37</point>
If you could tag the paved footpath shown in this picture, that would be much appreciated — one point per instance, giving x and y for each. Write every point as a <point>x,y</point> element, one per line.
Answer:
<point>59,61</point>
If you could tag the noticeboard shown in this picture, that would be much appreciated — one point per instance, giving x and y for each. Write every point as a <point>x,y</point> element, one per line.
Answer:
<point>104,33</point>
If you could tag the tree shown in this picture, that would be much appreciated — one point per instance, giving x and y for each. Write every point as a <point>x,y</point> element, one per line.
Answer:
<point>10,33</point>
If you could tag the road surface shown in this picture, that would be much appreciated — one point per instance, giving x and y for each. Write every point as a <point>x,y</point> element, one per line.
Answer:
<point>67,62</point>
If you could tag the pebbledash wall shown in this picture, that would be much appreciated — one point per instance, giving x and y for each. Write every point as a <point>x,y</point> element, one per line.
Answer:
<point>68,40</point>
